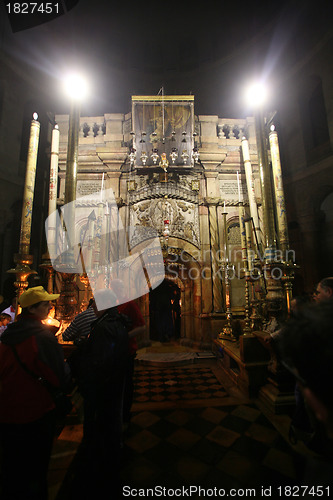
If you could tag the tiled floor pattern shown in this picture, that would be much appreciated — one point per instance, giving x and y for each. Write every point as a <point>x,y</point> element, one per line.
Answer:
<point>186,430</point>
<point>225,447</point>
<point>176,384</point>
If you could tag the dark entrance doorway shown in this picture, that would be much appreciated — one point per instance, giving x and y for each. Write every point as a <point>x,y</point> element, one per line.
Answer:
<point>165,312</point>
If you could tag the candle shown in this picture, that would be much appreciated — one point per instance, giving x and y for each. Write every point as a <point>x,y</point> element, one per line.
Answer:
<point>249,244</point>
<point>282,222</point>
<point>102,186</point>
<point>242,233</point>
<point>250,187</point>
<point>29,187</point>
<point>238,185</point>
<point>51,232</point>
<point>224,207</point>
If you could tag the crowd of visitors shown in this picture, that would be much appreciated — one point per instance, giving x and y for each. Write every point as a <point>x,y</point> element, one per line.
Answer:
<point>31,360</point>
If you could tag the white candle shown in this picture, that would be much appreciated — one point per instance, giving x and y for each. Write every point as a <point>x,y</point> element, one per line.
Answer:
<point>250,187</point>
<point>53,190</point>
<point>238,184</point>
<point>102,186</point>
<point>29,187</point>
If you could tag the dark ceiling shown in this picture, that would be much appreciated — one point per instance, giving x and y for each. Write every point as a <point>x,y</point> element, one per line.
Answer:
<point>210,50</point>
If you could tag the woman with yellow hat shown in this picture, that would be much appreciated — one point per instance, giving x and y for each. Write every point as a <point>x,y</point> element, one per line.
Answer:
<point>27,412</point>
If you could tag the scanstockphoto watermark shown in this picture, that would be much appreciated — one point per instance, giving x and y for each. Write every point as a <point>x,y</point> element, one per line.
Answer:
<point>221,257</point>
<point>216,266</point>
<point>187,492</point>
<point>232,271</point>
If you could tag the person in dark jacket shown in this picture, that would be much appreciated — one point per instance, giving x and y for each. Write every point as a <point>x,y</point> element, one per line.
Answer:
<point>101,377</point>
<point>27,416</point>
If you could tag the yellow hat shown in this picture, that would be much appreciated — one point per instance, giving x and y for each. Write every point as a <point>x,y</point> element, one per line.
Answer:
<point>36,294</point>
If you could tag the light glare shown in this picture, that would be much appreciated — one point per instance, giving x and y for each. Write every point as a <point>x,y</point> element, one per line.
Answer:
<point>256,94</point>
<point>76,86</point>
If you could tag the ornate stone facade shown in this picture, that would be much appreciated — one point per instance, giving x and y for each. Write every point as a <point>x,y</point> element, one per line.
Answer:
<point>189,193</point>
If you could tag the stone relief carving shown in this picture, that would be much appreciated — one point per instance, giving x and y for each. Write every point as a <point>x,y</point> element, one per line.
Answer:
<point>183,217</point>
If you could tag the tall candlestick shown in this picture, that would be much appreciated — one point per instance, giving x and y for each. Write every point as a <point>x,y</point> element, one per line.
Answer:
<point>102,186</point>
<point>90,242</point>
<point>29,187</point>
<point>227,333</point>
<point>266,190</point>
<point>22,259</point>
<point>238,185</point>
<point>281,214</point>
<point>98,237</point>
<point>51,236</point>
<point>242,234</point>
<point>71,175</point>
<point>248,232</point>
<point>225,238</point>
<point>250,188</point>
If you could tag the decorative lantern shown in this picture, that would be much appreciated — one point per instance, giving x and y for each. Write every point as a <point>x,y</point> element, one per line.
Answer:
<point>154,156</point>
<point>174,155</point>
<point>184,156</point>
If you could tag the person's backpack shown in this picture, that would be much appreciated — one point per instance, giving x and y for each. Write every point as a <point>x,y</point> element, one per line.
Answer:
<point>102,357</point>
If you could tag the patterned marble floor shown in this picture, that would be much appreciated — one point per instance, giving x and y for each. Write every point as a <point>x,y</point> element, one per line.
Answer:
<point>178,383</point>
<point>189,429</point>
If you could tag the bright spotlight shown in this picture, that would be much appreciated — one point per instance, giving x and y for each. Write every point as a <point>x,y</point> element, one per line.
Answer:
<point>76,86</point>
<point>256,94</point>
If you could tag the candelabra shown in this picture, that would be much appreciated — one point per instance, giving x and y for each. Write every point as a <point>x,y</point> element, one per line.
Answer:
<point>227,333</point>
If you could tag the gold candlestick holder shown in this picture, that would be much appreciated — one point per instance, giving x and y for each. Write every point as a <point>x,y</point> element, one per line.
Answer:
<point>287,279</point>
<point>22,272</point>
<point>67,303</point>
<point>247,329</point>
<point>46,266</point>
<point>227,332</point>
<point>87,291</point>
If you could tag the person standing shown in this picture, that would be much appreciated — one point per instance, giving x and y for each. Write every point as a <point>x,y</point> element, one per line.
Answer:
<point>101,373</point>
<point>27,410</point>
<point>137,326</point>
<point>80,327</point>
